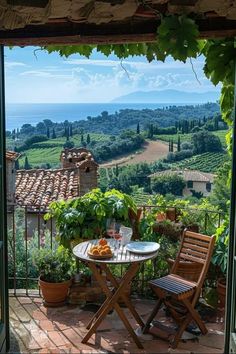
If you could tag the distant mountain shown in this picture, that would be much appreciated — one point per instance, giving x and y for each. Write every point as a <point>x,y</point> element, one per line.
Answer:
<point>168,96</point>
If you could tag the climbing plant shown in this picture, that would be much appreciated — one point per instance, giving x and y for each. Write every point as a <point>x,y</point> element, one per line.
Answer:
<point>177,36</point>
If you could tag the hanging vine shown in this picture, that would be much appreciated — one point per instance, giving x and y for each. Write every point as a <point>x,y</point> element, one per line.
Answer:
<point>177,36</point>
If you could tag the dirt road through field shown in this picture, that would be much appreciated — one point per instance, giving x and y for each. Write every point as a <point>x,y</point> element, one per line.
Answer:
<point>152,151</point>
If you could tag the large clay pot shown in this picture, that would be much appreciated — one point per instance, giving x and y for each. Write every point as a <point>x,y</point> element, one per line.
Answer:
<point>54,294</point>
<point>221,291</point>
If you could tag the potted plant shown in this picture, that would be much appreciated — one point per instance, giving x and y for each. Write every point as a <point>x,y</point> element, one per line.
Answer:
<point>190,219</point>
<point>56,268</point>
<point>220,259</point>
<point>85,217</point>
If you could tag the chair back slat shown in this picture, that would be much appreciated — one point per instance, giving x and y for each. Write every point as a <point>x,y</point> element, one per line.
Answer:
<point>188,257</point>
<point>195,247</point>
<point>191,252</point>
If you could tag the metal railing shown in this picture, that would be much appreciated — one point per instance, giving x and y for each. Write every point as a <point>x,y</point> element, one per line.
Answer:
<point>28,232</point>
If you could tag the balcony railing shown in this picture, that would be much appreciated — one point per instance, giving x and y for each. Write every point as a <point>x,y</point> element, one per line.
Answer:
<point>28,232</point>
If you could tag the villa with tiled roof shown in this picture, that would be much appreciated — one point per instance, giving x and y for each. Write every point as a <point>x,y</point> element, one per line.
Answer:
<point>37,188</point>
<point>196,181</point>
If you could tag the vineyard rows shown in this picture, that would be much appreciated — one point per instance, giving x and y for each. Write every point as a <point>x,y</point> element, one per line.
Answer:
<point>207,162</point>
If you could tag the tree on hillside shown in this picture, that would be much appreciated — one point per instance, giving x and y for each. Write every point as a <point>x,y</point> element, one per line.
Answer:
<point>168,184</point>
<point>150,131</point>
<point>88,140</point>
<point>204,141</point>
<point>27,165</point>
<point>82,139</point>
<point>71,130</point>
<point>48,133</point>
<point>178,144</point>
<point>53,134</point>
<point>172,145</point>
<point>138,129</point>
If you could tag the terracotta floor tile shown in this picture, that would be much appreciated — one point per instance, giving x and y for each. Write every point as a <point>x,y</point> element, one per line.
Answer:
<point>39,315</point>
<point>46,325</point>
<point>24,300</point>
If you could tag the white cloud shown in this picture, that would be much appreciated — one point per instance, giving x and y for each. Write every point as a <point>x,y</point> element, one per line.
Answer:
<point>13,64</point>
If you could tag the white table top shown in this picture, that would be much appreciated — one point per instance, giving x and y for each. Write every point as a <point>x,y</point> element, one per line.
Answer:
<point>120,254</point>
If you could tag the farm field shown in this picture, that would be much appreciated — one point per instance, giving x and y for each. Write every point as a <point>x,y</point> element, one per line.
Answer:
<point>187,137</point>
<point>153,151</point>
<point>207,162</point>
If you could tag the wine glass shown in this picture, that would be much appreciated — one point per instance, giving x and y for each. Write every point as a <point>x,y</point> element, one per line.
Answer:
<point>117,236</point>
<point>111,227</point>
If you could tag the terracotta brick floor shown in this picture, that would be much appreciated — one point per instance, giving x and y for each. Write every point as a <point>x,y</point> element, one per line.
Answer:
<point>36,329</point>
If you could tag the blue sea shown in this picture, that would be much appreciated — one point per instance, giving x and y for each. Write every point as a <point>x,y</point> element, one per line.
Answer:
<point>19,114</point>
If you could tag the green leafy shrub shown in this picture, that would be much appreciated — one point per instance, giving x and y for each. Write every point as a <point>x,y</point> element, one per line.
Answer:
<point>54,266</point>
<point>86,217</point>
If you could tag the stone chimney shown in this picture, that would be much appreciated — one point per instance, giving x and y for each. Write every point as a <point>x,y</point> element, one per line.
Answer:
<point>86,168</point>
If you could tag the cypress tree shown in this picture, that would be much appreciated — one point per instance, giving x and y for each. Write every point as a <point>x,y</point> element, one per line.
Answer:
<point>71,130</point>
<point>172,146</point>
<point>53,134</point>
<point>178,144</point>
<point>48,133</point>
<point>117,171</point>
<point>88,139</point>
<point>138,128</point>
<point>169,146</point>
<point>82,139</point>
<point>27,165</point>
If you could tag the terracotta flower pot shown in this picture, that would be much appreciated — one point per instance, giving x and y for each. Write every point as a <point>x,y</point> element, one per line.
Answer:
<point>221,291</point>
<point>54,294</point>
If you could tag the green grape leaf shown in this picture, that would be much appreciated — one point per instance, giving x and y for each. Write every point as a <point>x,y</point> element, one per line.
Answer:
<point>177,36</point>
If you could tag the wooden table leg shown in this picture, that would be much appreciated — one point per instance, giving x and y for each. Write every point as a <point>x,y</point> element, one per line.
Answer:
<point>126,300</point>
<point>111,302</point>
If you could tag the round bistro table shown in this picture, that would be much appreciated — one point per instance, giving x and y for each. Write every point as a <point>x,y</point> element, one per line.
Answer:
<point>120,256</point>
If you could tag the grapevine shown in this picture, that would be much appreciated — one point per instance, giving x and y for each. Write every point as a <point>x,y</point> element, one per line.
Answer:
<point>177,36</point>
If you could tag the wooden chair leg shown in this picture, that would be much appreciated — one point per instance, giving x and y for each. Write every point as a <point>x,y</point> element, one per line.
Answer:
<point>152,315</point>
<point>180,331</point>
<point>195,316</point>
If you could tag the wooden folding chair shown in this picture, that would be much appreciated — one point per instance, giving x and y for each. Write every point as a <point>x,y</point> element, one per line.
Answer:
<point>179,294</point>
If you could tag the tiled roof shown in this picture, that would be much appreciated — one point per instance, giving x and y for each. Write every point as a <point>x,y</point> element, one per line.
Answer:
<point>188,175</point>
<point>12,155</point>
<point>40,187</point>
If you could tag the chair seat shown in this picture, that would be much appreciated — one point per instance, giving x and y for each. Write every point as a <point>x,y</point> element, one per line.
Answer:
<point>174,285</point>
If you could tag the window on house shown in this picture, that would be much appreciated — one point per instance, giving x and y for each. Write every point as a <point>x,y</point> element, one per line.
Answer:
<point>208,186</point>
<point>190,184</point>
<point>70,160</point>
<point>87,169</point>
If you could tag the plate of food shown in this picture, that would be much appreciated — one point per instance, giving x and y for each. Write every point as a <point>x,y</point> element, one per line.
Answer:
<point>100,251</point>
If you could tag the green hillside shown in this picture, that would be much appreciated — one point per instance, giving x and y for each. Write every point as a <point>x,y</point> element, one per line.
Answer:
<point>48,152</point>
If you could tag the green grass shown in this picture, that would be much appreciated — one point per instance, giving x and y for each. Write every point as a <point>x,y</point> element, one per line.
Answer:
<point>43,154</point>
<point>187,137</point>
<point>207,162</point>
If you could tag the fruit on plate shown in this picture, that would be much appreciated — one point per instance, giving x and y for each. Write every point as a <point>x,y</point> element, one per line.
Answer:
<point>102,242</point>
<point>99,250</point>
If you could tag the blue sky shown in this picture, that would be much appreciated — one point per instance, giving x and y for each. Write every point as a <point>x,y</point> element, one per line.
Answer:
<point>39,77</point>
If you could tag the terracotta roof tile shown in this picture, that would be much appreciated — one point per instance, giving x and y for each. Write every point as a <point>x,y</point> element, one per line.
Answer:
<point>188,175</point>
<point>40,187</point>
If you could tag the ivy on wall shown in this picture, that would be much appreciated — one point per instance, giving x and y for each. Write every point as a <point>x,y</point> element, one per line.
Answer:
<point>177,36</point>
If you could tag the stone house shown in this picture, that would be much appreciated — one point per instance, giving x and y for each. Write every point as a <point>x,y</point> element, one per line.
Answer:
<point>35,189</point>
<point>196,181</point>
